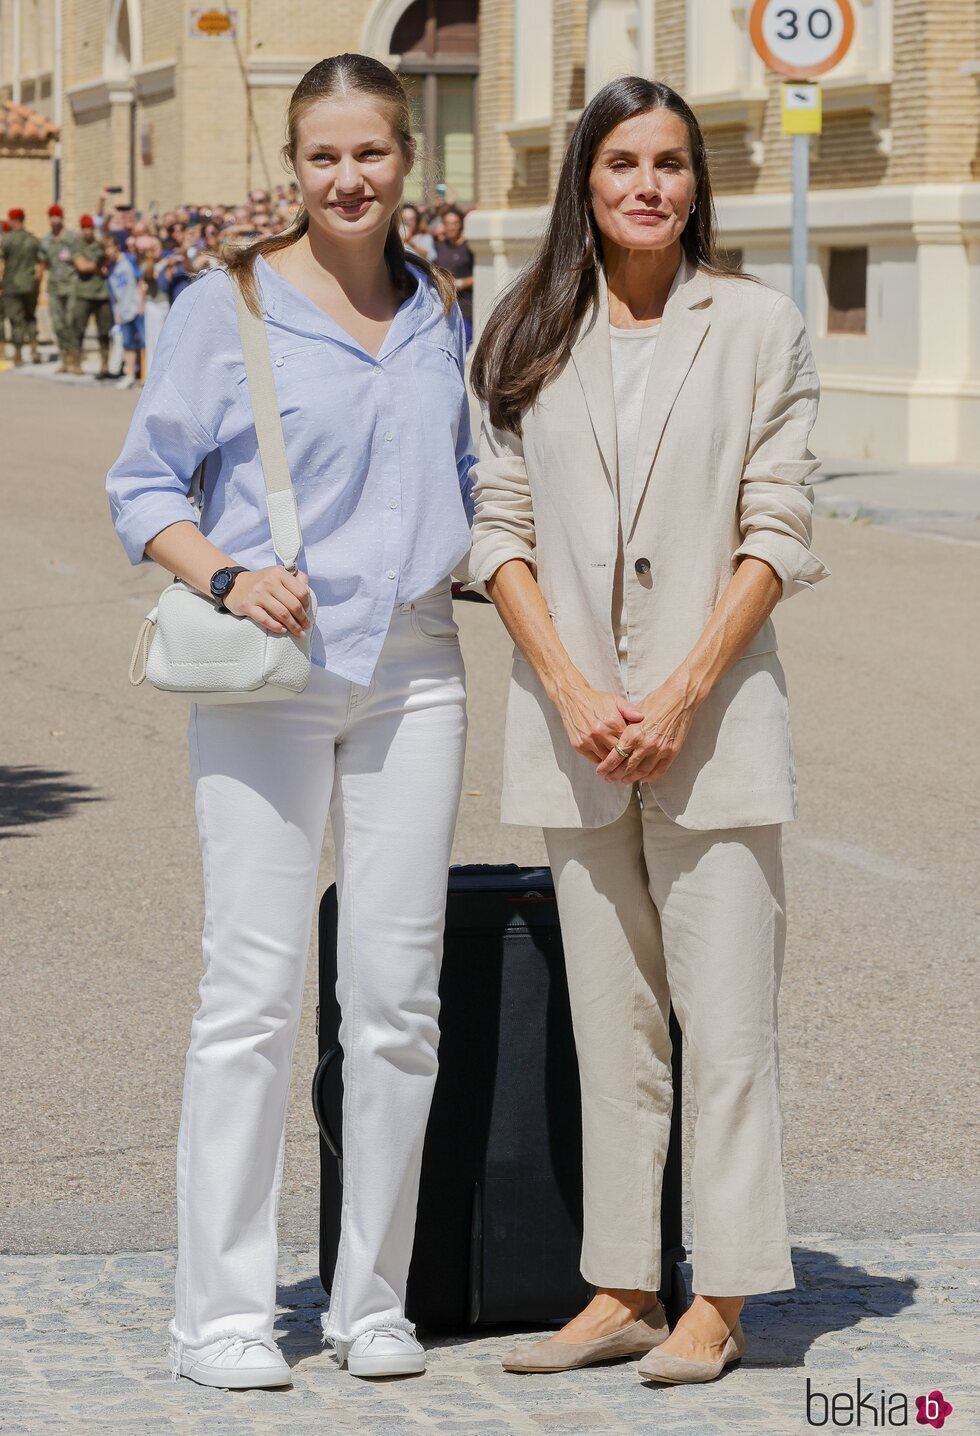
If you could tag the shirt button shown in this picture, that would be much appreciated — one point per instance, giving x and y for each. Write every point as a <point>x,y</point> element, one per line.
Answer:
<point>642,565</point>
<point>388,437</point>
<point>391,573</point>
<point>393,503</point>
<point>280,363</point>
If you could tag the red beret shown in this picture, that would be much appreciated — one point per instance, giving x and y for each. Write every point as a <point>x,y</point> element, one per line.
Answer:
<point>87,222</point>
<point>15,214</point>
<point>55,209</point>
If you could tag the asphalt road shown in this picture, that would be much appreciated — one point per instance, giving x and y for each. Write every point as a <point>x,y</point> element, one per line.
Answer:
<point>101,887</point>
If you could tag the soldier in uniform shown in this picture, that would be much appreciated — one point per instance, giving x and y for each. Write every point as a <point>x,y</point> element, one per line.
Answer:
<point>21,253</point>
<point>56,254</point>
<point>90,297</point>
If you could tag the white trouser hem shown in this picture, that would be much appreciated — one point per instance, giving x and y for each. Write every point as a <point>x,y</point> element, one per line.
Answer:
<point>343,1344</point>
<point>180,1344</point>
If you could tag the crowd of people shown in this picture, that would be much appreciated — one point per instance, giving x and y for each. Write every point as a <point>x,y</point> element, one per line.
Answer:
<point>121,270</point>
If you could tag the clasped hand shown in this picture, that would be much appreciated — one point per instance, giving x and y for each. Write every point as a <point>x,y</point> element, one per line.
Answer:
<point>652,732</point>
<point>654,739</point>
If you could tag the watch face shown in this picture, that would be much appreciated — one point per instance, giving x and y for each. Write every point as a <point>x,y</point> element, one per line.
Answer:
<point>222,582</point>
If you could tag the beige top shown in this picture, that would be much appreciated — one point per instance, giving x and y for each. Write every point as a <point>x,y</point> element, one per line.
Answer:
<point>632,354</point>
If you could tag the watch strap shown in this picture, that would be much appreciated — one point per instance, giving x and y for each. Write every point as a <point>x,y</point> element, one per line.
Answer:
<point>234,570</point>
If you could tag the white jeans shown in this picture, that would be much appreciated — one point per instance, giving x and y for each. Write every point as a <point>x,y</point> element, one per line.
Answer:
<point>386,763</point>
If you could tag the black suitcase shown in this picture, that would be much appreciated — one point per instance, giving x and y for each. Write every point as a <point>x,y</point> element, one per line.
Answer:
<point>499,1228</point>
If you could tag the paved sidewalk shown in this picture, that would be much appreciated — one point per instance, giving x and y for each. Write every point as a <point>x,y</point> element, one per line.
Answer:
<point>83,1349</point>
<point>932,502</point>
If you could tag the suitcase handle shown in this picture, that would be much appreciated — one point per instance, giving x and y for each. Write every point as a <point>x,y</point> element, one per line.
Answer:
<point>331,1141</point>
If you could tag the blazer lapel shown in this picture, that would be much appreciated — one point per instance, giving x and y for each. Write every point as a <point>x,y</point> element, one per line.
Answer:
<point>685,323</point>
<point>592,358</point>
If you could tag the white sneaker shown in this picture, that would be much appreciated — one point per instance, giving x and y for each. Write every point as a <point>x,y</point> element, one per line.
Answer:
<point>382,1351</point>
<point>234,1362</point>
<point>126,382</point>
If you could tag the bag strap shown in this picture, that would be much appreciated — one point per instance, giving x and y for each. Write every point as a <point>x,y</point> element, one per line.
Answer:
<point>287,537</point>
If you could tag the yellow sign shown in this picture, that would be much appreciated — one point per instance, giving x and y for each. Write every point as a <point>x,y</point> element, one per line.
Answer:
<point>802,110</point>
<point>214,24</point>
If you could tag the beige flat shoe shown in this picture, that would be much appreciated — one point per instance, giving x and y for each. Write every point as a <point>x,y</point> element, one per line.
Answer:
<point>633,1340</point>
<point>678,1370</point>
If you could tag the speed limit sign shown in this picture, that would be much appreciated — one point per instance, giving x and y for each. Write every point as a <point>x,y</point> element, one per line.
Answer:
<point>802,38</point>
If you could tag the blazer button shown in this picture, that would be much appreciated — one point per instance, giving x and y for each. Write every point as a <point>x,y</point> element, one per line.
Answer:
<point>642,565</point>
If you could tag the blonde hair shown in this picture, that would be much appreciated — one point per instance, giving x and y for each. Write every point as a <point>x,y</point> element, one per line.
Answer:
<point>339,76</point>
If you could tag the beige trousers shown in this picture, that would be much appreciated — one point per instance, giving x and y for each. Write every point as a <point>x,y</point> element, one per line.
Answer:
<point>652,913</point>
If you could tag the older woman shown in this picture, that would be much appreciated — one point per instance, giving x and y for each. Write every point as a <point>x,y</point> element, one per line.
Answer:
<point>641,508</point>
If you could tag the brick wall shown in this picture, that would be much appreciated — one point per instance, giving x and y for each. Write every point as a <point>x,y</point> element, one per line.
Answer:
<point>307,28</point>
<point>935,106</point>
<point>569,25</point>
<point>162,24</point>
<point>269,107</point>
<point>160,183</point>
<point>530,185</point>
<point>670,47</point>
<point>495,159</point>
<point>25,181</point>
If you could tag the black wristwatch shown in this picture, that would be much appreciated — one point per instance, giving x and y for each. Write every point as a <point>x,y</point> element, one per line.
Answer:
<point>221,585</point>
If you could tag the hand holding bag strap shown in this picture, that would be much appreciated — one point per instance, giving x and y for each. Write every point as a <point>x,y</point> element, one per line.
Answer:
<point>287,539</point>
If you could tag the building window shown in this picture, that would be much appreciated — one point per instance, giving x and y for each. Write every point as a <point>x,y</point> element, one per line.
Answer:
<point>847,291</point>
<point>438,45</point>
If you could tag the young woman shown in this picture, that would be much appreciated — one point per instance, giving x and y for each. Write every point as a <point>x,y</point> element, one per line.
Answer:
<point>367,354</point>
<point>642,506</point>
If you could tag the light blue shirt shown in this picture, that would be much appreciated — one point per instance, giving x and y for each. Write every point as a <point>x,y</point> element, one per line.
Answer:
<point>379,451</point>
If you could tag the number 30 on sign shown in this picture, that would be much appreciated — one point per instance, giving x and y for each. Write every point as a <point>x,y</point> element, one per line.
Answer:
<point>802,38</point>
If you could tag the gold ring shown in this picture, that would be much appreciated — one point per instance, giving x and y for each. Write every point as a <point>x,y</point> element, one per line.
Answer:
<point>623,752</point>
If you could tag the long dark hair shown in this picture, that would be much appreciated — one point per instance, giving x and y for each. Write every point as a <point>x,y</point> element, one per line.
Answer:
<point>531,329</point>
<point>337,77</point>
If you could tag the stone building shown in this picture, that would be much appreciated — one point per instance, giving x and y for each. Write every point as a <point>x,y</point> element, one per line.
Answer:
<point>177,102</point>
<point>893,286</point>
<point>181,103</point>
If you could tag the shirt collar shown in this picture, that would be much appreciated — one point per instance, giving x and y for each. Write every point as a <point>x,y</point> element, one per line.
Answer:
<point>289,307</point>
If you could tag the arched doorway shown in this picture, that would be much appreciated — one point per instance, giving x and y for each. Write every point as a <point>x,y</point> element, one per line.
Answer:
<point>436,48</point>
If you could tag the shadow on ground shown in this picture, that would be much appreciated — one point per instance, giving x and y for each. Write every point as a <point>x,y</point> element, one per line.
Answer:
<point>36,795</point>
<point>780,1327</point>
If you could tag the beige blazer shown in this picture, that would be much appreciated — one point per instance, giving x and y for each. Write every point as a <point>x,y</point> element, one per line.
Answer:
<point>722,465</point>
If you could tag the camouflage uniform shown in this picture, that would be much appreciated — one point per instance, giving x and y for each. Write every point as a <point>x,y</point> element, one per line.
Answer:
<point>21,251</point>
<point>56,252</point>
<point>90,297</point>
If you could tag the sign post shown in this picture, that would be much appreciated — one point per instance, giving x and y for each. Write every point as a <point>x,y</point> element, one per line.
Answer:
<point>801,39</point>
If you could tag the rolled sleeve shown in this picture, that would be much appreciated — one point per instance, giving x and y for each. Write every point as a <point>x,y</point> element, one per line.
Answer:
<point>188,393</point>
<point>503,521</point>
<point>775,500</point>
<point>149,484</point>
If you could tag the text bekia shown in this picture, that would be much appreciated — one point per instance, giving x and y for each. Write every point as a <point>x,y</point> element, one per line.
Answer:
<point>871,1408</point>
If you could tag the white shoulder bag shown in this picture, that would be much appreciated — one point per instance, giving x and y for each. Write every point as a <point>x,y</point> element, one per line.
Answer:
<point>186,645</point>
